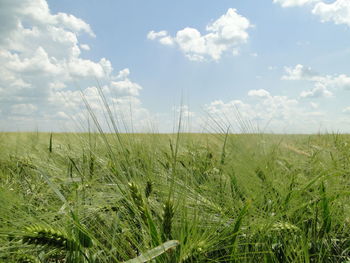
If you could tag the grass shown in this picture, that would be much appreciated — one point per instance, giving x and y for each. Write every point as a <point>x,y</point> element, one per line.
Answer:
<point>174,198</point>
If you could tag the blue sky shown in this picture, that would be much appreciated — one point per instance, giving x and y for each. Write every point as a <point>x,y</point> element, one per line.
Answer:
<point>282,64</point>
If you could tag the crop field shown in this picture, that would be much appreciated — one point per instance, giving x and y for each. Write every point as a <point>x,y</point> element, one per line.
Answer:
<point>89,197</point>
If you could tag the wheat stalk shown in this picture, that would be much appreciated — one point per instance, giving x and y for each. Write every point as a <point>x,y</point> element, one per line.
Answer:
<point>168,214</point>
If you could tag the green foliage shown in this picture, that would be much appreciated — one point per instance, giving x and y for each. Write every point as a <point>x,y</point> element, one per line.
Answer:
<point>174,198</point>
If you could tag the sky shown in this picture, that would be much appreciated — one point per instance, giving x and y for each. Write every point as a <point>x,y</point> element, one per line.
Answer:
<point>275,66</point>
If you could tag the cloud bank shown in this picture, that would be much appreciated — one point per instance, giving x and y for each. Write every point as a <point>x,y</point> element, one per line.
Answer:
<point>43,77</point>
<point>323,84</point>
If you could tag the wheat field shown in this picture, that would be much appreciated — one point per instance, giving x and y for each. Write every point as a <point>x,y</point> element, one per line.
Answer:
<point>89,197</point>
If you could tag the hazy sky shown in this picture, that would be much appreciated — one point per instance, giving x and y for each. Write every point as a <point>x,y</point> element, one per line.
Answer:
<point>280,65</point>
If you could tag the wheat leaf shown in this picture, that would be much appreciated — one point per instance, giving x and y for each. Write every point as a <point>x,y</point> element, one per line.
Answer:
<point>155,252</point>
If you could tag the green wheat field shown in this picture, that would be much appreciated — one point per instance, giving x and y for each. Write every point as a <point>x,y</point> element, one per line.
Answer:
<point>94,197</point>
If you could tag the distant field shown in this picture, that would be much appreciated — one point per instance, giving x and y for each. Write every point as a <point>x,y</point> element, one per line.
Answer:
<point>174,198</point>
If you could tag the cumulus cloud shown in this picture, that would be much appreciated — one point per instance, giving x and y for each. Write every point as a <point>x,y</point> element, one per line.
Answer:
<point>300,72</point>
<point>124,86</point>
<point>319,91</point>
<point>340,81</point>
<point>270,107</point>
<point>260,93</point>
<point>43,77</point>
<point>152,35</point>
<point>226,33</point>
<point>276,112</point>
<point>73,23</point>
<point>337,12</point>
<point>161,36</point>
<point>322,83</point>
<point>270,113</point>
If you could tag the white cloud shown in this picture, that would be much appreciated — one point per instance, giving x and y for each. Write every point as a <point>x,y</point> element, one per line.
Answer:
<point>43,76</point>
<point>23,109</point>
<point>167,41</point>
<point>85,47</point>
<point>124,86</point>
<point>123,74</point>
<point>346,110</point>
<point>57,86</point>
<point>224,34</point>
<point>337,12</point>
<point>299,72</point>
<point>322,83</point>
<point>270,107</point>
<point>152,35</point>
<point>261,93</point>
<point>28,20</point>
<point>161,36</point>
<point>271,113</point>
<point>73,23</point>
<point>340,81</point>
<point>40,63</point>
<point>291,3</point>
<point>79,67</point>
<point>62,115</point>
<point>319,91</point>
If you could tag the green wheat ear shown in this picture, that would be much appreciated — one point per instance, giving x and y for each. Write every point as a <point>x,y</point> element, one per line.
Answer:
<point>45,236</point>
<point>27,259</point>
<point>168,214</point>
<point>284,226</point>
<point>138,201</point>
